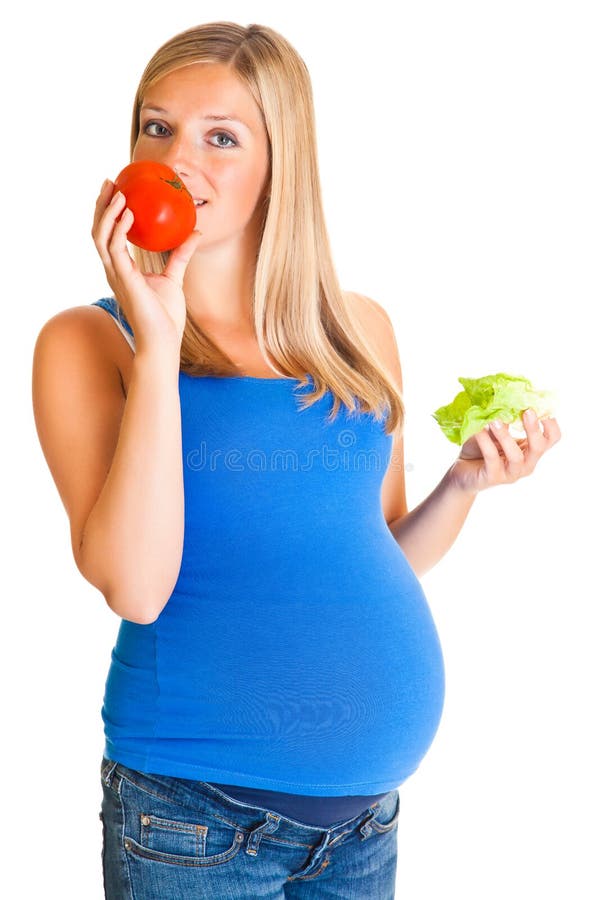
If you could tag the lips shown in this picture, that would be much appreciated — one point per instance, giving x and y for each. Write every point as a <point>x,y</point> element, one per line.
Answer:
<point>200,202</point>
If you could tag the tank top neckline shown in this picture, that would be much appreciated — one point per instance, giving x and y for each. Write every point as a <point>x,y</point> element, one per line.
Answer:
<point>245,378</point>
<point>122,321</point>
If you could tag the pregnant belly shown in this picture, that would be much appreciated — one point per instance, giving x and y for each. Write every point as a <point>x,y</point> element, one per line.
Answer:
<point>349,690</point>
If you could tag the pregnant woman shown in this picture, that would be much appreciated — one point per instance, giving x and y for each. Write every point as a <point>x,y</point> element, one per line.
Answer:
<point>225,431</point>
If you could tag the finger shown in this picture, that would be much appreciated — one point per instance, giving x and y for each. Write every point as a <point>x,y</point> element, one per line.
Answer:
<point>513,454</point>
<point>494,465</point>
<point>552,432</point>
<point>539,440</point>
<point>105,230</point>
<point>102,201</point>
<point>119,254</point>
<point>535,441</point>
<point>180,257</point>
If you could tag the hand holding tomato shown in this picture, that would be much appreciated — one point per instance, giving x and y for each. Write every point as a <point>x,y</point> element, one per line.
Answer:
<point>153,304</point>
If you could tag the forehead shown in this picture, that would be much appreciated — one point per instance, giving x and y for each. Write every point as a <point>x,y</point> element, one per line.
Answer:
<point>205,90</point>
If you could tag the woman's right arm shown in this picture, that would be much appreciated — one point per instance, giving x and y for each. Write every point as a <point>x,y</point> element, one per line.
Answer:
<point>133,536</point>
<point>117,463</point>
<point>127,525</point>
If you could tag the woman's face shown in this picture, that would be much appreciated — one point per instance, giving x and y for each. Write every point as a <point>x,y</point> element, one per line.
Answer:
<point>224,162</point>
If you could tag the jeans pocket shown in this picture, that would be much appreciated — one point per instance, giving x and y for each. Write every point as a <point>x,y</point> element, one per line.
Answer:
<point>387,819</point>
<point>167,833</point>
<point>172,836</point>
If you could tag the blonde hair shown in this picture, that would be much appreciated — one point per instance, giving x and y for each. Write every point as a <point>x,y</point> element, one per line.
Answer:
<point>301,317</point>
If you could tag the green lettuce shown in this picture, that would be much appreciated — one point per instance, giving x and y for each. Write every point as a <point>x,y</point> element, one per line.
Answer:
<point>499,396</point>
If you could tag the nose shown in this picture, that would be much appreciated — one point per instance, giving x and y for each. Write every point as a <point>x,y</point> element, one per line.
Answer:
<point>179,156</point>
<point>182,155</point>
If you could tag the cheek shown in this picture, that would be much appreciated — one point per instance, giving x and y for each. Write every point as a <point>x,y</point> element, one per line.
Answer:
<point>243,186</point>
<point>144,150</point>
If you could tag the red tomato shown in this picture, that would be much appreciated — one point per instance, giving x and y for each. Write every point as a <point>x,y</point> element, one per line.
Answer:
<point>163,209</point>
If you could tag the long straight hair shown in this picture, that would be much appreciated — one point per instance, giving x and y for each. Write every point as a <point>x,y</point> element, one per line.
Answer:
<point>301,317</point>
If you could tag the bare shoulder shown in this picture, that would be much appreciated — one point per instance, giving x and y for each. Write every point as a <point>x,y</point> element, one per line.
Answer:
<point>83,321</point>
<point>84,329</point>
<point>367,309</point>
<point>377,324</point>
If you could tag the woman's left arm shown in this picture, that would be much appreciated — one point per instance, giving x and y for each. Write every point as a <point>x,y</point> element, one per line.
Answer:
<point>488,458</point>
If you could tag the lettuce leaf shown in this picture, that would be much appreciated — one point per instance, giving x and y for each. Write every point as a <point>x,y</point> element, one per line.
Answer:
<point>499,396</point>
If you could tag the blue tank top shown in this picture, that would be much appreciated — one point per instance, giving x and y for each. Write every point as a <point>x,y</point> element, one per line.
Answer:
<point>296,665</point>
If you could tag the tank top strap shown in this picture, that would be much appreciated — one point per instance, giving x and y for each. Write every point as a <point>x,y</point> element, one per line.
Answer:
<point>118,316</point>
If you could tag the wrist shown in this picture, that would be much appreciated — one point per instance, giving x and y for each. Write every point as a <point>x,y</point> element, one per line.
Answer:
<point>455,485</point>
<point>157,360</point>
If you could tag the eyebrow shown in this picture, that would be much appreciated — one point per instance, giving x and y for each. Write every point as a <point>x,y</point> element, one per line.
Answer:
<point>213,117</point>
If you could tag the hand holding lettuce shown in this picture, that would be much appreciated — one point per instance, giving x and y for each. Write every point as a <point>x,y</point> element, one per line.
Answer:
<point>499,396</point>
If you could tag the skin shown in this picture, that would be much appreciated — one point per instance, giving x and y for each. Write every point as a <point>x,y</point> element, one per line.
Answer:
<point>233,177</point>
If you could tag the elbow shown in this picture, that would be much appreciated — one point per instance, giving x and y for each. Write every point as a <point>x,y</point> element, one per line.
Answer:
<point>121,593</point>
<point>140,614</point>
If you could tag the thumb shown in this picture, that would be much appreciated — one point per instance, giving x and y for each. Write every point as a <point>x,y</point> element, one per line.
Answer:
<point>180,257</point>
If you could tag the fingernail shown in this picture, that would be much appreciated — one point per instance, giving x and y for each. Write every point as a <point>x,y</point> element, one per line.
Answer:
<point>497,424</point>
<point>530,415</point>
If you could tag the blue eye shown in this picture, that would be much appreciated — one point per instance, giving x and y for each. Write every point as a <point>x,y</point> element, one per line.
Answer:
<point>229,138</point>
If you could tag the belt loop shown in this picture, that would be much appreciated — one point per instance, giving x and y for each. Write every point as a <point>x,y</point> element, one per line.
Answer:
<point>107,776</point>
<point>364,828</point>
<point>270,825</point>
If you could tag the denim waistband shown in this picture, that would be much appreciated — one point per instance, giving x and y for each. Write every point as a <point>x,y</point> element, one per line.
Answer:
<point>195,794</point>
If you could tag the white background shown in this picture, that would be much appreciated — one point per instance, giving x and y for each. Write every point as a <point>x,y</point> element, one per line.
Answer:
<point>458,151</point>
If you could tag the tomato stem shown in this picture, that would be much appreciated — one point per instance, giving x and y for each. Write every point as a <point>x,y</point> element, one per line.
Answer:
<point>175,182</point>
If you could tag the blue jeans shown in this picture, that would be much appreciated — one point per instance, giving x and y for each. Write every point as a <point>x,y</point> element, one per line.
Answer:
<point>175,839</point>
